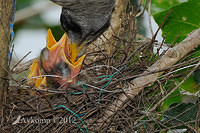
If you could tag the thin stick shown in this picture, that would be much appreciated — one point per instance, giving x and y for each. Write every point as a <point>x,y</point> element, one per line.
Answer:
<point>20,61</point>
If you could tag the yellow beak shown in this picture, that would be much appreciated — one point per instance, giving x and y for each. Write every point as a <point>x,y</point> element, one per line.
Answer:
<point>60,52</point>
<point>35,76</point>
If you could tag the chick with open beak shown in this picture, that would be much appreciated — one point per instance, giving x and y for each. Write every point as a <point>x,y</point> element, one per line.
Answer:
<point>59,59</point>
<point>35,77</point>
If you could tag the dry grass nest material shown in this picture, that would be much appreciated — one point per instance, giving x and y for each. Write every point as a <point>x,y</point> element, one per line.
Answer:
<point>105,74</point>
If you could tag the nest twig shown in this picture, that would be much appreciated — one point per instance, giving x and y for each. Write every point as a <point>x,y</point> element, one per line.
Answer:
<point>100,101</point>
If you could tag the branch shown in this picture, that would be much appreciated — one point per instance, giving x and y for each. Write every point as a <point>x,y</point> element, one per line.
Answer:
<point>172,56</point>
<point>5,13</point>
<point>32,11</point>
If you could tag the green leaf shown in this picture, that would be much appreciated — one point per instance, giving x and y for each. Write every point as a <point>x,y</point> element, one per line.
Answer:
<point>161,5</point>
<point>173,98</point>
<point>196,76</point>
<point>179,113</point>
<point>183,19</point>
<point>189,85</point>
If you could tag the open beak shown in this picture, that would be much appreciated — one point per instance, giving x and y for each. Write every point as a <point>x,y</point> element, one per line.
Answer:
<point>59,58</point>
<point>70,60</point>
<point>50,55</point>
<point>35,77</point>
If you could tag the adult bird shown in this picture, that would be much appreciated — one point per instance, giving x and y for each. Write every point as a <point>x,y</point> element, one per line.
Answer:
<point>85,20</point>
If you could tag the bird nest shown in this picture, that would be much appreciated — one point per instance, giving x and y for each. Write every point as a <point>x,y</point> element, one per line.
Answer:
<point>106,73</point>
<point>104,76</point>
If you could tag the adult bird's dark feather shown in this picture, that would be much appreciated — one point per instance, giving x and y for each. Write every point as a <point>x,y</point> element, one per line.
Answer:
<point>85,20</point>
